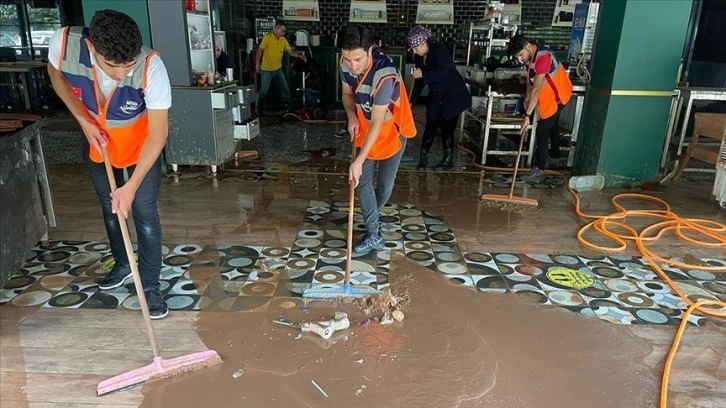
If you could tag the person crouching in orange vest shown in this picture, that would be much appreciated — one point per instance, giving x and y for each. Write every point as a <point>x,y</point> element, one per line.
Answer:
<point>548,88</point>
<point>379,122</point>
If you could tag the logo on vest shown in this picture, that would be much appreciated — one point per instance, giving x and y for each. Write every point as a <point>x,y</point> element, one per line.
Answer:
<point>366,106</point>
<point>130,107</point>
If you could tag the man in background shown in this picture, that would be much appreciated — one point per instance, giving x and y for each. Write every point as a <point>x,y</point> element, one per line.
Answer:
<point>269,64</point>
<point>549,89</point>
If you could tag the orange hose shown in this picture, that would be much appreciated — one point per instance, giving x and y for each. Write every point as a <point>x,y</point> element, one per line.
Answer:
<point>707,233</point>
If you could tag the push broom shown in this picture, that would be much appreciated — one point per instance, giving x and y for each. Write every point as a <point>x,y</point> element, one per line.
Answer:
<point>510,202</point>
<point>331,291</point>
<point>159,367</point>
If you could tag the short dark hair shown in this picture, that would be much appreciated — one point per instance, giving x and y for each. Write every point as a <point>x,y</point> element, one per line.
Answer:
<point>517,44</point>
<point>280,23</point>
<point>352,37</point>
<point>115,36</point>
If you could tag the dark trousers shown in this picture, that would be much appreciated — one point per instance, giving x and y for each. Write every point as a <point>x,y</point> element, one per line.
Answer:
<point>146,219</point>
<point>447,133</point>
<point>548,137</point>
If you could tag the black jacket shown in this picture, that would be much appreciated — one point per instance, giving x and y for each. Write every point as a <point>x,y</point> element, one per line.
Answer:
<point>448,95</point>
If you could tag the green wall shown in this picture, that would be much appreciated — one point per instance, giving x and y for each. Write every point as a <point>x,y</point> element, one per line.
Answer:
<point>637,52</point>
<point>136,9</point>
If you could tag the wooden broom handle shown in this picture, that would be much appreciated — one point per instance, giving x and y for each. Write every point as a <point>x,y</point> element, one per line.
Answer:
<point>132,262</point>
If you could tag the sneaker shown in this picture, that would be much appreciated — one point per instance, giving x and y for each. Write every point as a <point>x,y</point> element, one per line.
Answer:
<point>116,278</point>
<point>368,243</point>
<point>343,133</point>
<point>536,175</point>
<point>157,305</point>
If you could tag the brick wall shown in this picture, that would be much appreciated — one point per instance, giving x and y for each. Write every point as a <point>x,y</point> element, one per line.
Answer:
<point>537,15</point>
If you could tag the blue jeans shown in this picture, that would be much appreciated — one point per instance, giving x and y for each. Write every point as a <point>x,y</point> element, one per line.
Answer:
<point>277,76</point>
<point>372,199</point>
<point>146,219</point>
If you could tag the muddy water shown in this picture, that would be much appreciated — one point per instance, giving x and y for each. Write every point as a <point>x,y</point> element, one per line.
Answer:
<point>456,348</point>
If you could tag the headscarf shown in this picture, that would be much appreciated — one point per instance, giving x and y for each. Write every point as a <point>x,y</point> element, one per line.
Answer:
<point>418,36</point>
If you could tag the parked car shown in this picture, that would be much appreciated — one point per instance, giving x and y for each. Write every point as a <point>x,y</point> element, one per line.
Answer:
<point>7,41</point>
<point>41,37</point>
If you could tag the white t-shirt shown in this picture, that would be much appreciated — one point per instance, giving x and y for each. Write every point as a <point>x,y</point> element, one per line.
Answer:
<point>157,94</point>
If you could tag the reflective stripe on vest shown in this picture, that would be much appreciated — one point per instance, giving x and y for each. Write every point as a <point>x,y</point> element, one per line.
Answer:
<point>123,115</point>
<point>559,89</point>
<point>398,119</point>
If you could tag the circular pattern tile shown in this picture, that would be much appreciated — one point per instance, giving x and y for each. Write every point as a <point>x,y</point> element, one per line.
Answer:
<point>607,272</point>
<point>56,283</point>
<point>101,300</point>
<point>301,264</point>
<point>333,253</point>
<point>566,259</point>
<point>53,269</point>
<point>442,236</point>
<point>97,247</point>
<point>177,260</point>
<point>414,236</point>
<point>358,266</point>
<point>420,256</point>
<point>528,270</point>
<point>335,243</point>
<point>409,212</point>
<point>308,242</point>
<point>506,258</point>
<point>33,298</point>
<point>84,258</point>
<point>717,287</point>
<point>69,299</point>
<point>452,268</point>
<point>54,256</point>
<point>239,262</point>
<point>477,257</point>
<point>329,277</point>
<point>701,275</point>
<point>491,284</point>
<point>179,302</point>
<point>439,228</point>
<point>565,298</point>
<point>621,285</point>
<point>310,234</point>
<point>635,300</point>
<point>258,289</point>
<point>19,281</point>
<point>532,297</point>
<point>652,316</point>
<point>187,287</point>
<point>413,228</point>
<point>388,219</point>
<point>457,281</point>
<point>187,249</point>
<point>417,245</point>
<point>275,252</point>
<point>654,287</point>
<point>448,256</point>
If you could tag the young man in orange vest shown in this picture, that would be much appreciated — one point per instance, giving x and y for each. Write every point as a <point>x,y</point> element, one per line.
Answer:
<point>379,122</point>
<point>548,88</point>
<point>119,92</point>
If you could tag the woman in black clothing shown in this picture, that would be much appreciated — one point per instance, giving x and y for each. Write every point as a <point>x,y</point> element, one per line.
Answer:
<point>448,95</point>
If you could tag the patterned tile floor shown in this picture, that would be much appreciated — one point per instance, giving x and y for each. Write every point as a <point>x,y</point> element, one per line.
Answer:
<point>622,289</point>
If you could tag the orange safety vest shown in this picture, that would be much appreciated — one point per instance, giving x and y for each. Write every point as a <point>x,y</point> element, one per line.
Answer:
<point>399,118</point>
<point>558,89</point>
<point>123,117</point>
